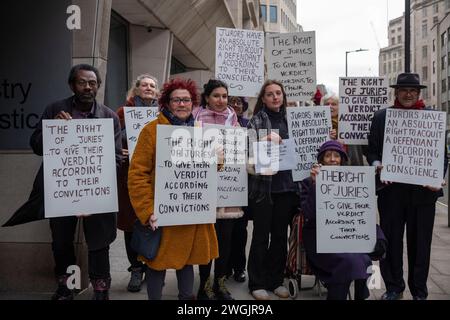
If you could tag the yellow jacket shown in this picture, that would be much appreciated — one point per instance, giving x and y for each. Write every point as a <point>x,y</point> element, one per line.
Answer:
<point>180,245</point>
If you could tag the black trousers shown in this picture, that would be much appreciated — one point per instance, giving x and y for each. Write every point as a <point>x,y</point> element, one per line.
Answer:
<point>340,291</point>
<point>238,258</point>
<point>63,233</point>
<point>268,250</point>
<point>131,254</point>
<point>395,213</point>
<point>224,231</point>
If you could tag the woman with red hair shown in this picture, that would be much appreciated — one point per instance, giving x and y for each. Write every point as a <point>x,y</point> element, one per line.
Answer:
<point>181,246</point>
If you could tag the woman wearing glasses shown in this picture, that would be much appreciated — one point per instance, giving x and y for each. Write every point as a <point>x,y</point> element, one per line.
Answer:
<point>181,246</point>
<point>215,110</point>
<point>143,93</point>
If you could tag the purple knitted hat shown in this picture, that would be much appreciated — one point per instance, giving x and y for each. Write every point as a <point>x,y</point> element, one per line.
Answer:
<point>332,145</point>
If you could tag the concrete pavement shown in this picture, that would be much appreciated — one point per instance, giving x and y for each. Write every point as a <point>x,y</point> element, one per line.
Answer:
<point>438,280</point>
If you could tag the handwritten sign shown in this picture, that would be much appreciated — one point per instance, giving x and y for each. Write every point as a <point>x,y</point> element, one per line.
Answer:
<point>273,157</point>
<point>346,209</point>
<point>186,177</point>
<point>359,99</point>
<point>232,181</point>
<point>414,146</point>
<point>240,60</point>
<point>135,119</point>
<point>309,127</point>
<point>291,59</point>
<point>79,167</point>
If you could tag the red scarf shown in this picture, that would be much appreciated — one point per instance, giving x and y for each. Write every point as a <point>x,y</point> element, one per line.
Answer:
<point>418,106</point>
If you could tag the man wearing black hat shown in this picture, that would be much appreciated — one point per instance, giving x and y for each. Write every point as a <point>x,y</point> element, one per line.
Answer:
<point>401,204</point>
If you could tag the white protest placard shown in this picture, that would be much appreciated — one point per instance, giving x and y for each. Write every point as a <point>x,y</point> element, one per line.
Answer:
<point>309,128</point>
<point>79,167</point>
<point>346,209</point>
<point>359,99</point>
<point>240,60</point>
<point>291,59</point>
<point>232,180</point>
<point>273,157</point>
<point>186,177</point>
<point>135,119</point>
<point>414,146</point>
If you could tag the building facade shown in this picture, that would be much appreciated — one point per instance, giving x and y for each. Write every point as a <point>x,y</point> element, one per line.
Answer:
<point>279,16</point>
<point>428,20</point>
<point>122,38</point>
<point>391,58</point>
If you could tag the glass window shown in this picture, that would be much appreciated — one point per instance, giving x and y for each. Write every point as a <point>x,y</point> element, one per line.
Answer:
<point>425,73</point>
<point>424,30</point>
<point>392,41</point>
<point>434,67</point>
<point>434,45</point>
<point>424,51</point>
<point>264,12</point>
<point>399,39</point>
<point>424,12</point>
<point>435,7</point>
<point>273,14</point>
<point>434,89</point>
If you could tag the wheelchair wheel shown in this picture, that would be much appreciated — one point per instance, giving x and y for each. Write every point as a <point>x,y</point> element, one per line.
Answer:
<point>293,288</point>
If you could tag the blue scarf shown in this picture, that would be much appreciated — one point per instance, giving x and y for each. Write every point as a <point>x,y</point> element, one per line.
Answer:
<point>189,122</point>
<point>138,102</point>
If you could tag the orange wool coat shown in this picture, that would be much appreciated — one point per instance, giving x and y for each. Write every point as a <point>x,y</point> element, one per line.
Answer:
<point>180,245</point>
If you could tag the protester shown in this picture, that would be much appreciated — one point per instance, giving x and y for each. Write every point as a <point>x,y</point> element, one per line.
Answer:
<point>99,229</point>
<point>335,270</point>
<point>317,97</point>
<point>272,198</point>
<point>181,246</point>
<point>330,99</point>
<point>238,258</point>
<point>214,109</point>
<point>143,93</point>
<point>401,204</point>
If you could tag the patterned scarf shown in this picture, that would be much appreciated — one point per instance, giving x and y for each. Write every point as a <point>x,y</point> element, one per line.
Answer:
<point>419,105</point>
<point>189,122</point>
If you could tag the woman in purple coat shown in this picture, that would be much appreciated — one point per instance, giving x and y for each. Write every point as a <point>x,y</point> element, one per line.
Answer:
<point>335,270</point>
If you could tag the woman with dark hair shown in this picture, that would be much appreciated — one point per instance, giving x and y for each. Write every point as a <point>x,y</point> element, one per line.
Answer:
<point>336,270</point>
<point>214,109</point>
<point>238,257</point>
<point>273,199</point>
<point>143,93</point>
<point>181,246</point>
<point>240,106</point>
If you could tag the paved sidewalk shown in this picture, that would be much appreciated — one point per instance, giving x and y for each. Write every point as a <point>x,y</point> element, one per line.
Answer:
<point>438,280</point>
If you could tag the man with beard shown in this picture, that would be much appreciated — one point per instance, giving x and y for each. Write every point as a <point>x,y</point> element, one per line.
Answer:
<point>99,229</point>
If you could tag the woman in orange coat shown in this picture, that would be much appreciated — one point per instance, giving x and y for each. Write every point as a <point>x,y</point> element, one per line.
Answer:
<point>181,246</point>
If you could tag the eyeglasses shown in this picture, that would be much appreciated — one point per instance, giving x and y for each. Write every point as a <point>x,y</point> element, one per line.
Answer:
<point>236,103</point>
<point>83,83</point>
<point>180,100</point>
